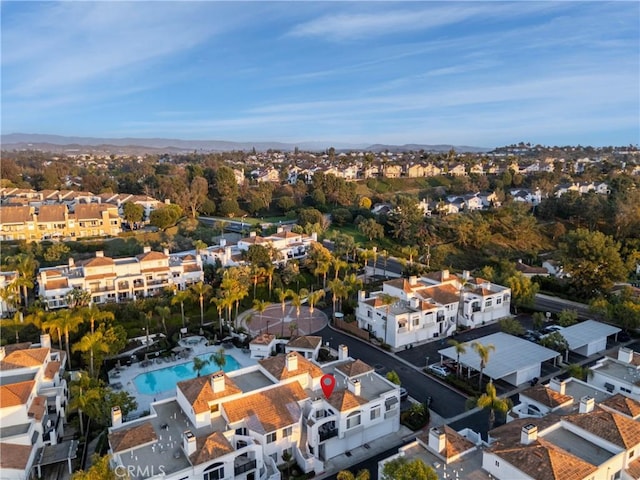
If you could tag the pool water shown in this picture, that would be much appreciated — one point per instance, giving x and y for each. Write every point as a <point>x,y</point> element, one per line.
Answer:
<point>166,378</point>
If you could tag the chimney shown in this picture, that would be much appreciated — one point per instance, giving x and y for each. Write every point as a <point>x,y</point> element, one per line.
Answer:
<point>625,355</point>
<point>445,275</point>
<point>413,280</point>
<point>437,439</point>
<point>466,275</point>
<point>280,230</point>
<point>217,382</point>
<point>558,385</point>
<point>586,404</point>
<point>167,201</point>
<point>116,416</point>
<point>53,437</point>
<point>146,249</point>
<point>292,362</point>
<point>189,443</point>
<point>314,236</point>
<point>252,234</point>
<point>362,295</point>
<point>3,353</point>
<point>166,251</point>
<point>528,434</point>
<point>343,352</point>
<point>223,242</point>
<point>414,302</point>
<point>45,341</point>
<point>72,262</point>
<point>354,387</point>
<point>100,254</point>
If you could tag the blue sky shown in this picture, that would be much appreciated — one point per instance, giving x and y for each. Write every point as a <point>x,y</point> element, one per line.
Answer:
<point>472,73</point>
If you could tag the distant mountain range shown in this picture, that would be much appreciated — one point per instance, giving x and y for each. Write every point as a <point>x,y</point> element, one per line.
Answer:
<point>59,143</point>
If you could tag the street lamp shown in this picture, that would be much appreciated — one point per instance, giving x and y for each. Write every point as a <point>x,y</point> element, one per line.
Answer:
<point>427,361</point>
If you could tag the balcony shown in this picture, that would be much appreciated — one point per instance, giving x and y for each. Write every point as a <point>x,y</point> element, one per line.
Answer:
<point>161,281</point>
<point>243,464</point>
<point>327,433</point>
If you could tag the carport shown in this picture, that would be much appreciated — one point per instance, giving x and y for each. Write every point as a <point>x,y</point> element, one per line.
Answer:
<point>588,337</point>
<point>514,359</point>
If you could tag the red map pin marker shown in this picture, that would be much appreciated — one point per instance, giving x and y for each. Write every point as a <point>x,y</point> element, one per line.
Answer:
<point>328,383</point>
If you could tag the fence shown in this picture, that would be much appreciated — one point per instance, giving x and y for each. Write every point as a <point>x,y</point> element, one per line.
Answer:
<point>352,328</point>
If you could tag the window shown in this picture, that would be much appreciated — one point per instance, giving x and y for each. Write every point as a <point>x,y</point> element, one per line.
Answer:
<point>631,453</point>
<point>271,437</point>
<point>214,472</point>
<point>497,463</point>
<point>416,322</point>
<point>353,420</point>
<point>375,412</point>
<point>241,431</point>
<point>369,313</point>
<point>498,301</point>
<point>488,303</point>
<point>287,432</point>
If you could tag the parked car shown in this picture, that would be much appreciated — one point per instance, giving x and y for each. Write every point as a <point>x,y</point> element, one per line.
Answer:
<point>532,335</point>
<point>551,328</point>
<point>403,394</point>
<point>439,370</point>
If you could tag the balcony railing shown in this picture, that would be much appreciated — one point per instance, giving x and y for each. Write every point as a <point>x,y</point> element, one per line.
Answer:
<point>328,433</point>
<point>242,465</point>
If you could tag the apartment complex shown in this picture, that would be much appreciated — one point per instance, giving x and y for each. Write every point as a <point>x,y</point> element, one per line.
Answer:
<point>240,424</point>
<point>119,279</point>
<point>413,310</point>
<point>32,409</point>
<point>55,222</point>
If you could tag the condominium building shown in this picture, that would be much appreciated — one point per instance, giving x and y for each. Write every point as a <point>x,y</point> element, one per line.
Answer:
<point>119,279</point>
<point>243,424</point>
<point>432,306</point>
<point>33,396</point>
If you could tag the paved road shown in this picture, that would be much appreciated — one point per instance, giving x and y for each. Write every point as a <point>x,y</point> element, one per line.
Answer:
<point>547,303</point>
<point>445,402</point>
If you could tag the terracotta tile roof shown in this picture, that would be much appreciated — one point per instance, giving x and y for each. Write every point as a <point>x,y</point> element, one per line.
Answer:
<point>52,213</point>
<point>625,405</point>
<point>306,341</point>
<point>191,268</point>
<point>544,461</point>
<point>150,256</point>
<point>485,292</point>
<point>52,273</point>
<point>524,268</point>
<point>344,400</point>
<point>99,276</point>
<point>97,262</point>
<point>199,392</point>
<point>188,257</point>
<point>38,407</point>
<point>209,448</point>
<point>51,370</point>
<point>613,427</point>
<point>16,346</point>
<point>374,302</point>
<point>439,276</point>
<point>31,357</point>
<point>155,269</point>
<point>546,396</point>
<point>401,283</point>
<point>14,456</point>
<point>127,438</point>
<point>14,394</point>
<point>633,469</point>
<point>286,235</point>
<point>509,433</point>
<point>90,211</point>
<point>15,214</point>
<point>56,284</point>
<point>355,368</point>
<point>277,366</point>
<point>442,294</point>
<point>263,339</point>
<point>455,445</point>
<point>268,410</point>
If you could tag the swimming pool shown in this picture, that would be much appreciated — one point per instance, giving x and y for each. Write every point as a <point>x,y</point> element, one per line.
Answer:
<point>166,378</point>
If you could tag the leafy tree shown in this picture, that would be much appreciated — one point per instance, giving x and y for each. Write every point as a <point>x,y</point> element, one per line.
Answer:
<point>371,229</point>
<point>56,252</point>
<point>100,470</point>
<point>593,260</point>
<point>228,207</point>
<point>132,212</point>
<point>341,216</point>
<point>523,290</point>
<point>580,372</point>
<point>511,326</point>
<point>566,318</point>
<point>403,469</point>
<point>225,186</point>
<point>347,475</point>
<point>258,255</point>
<point>483,352</point>
<point>365,202</point>
<point>309,216</point>
<point>286,204</point>
<point>405,218</point>
<point>393,377</point>
<point>194,197</point>
<point>538,320</point>
<point>555,341</point>
<point>100,411</point>
<point>166,216</point>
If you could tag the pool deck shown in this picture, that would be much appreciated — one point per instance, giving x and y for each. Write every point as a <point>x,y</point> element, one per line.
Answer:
<point>122,378</point>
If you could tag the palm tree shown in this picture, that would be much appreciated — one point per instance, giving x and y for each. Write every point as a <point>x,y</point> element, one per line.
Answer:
<point>67,321</point>
<point>16,320</point>
<point>9,295</point>
<point>94,314</point>
<point>337,263</point>
<point>282,297</point>
<point>199,364</point>
<point>313,298</point>
<point>26,265</point>
<point>260,306</point>
<point>163,313</point>
<point>461,348</point>
<point>93,342</point>
<point>218,358</point>
<point>179,297</point>
<point>201,290</point>
<point>410,251</point>
<point>490,401</point>
<point>387,300</point>
<point>78,297</point>
<point>269,270</point>
<point>199,245</point>
<point>38,317</point>
<point>296,301</point>
<point>385,255</point>
<point>256,272</point>
<point>53,328</point>
<point>366,255</point>
<point>82,395</point>
<point>483,352</point>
